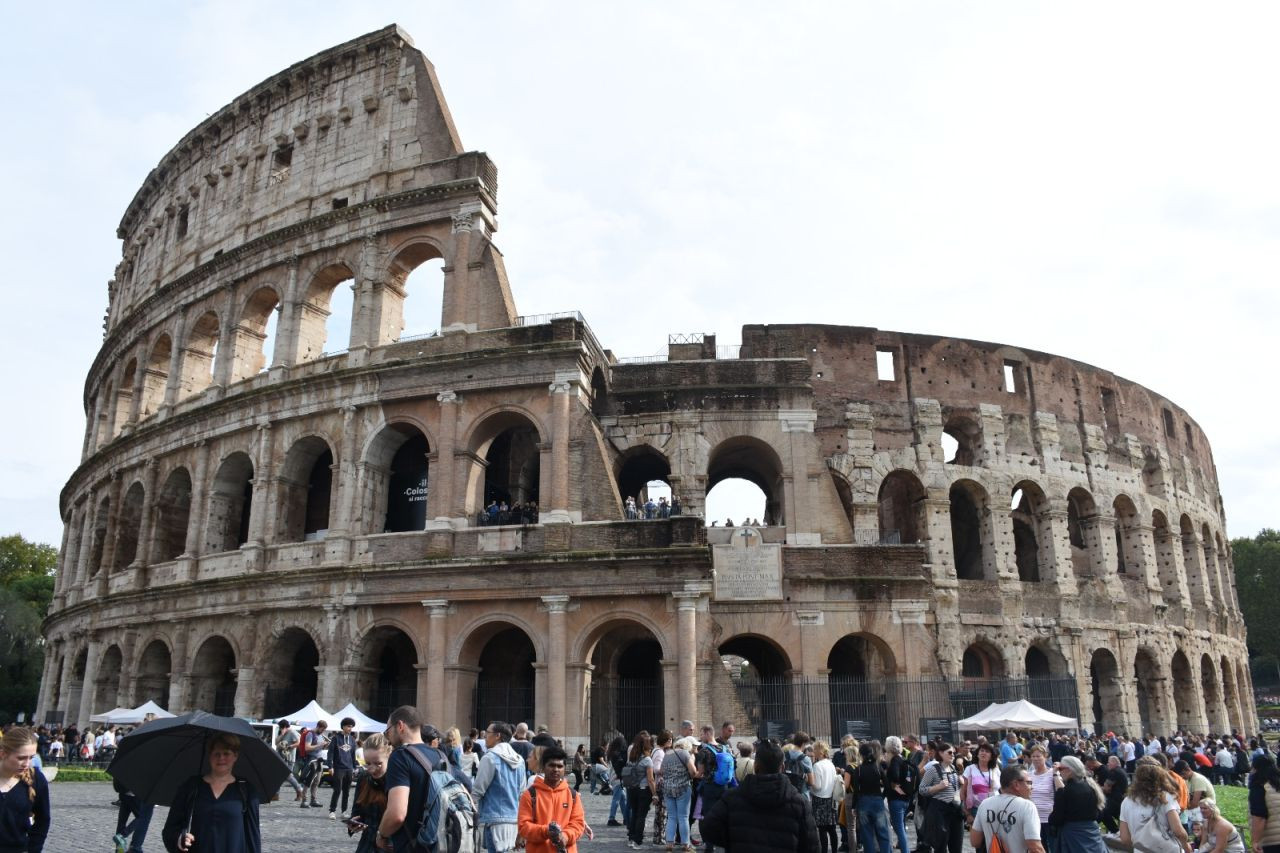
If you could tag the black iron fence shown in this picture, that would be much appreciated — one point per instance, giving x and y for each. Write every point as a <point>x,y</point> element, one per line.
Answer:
<point>389,697</point>
<point>513,704</point>
<point>777,707</point>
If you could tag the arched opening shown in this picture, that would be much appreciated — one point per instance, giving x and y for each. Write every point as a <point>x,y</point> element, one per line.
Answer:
<point>859,667</point>
<point>508,442</point>
<point>970,537</point>
<point>1191,560</point>
<point>1037,663</point>
<point>154,673</point>
<point>75,692</point>
<point>1031,531</point>
<point>172,515</point>
<point>1082,533</point>
<point>1128,542</point>
<point>599,393</point>
<point>107,695</point>
<point>254,333</point>
<point>306,486</point>
<point>291,673</point>
<point>1231,697</point>
<point>106,416</point>
<point>413,306</point>
<point>626,682</point>
<point>901,509</point>
<point>390,662</point>
<point>1106,690</point>
<point>1146,675</point>
<point>130,523</point>
<point>1166,561</point>
<point>230,503</point>
<point>961,441</point>
<point>1049,681</point>
<point>761,675</point>
<point>1211,568</point>
<point>1184,692</point>
<point>644,474</point>
<point>124,398</point>
<point>397,470</point>
<point>213,679</point>
<point>1225,574</point>
<point>199,355</point>
<point>1212,698</point>
<point>324,317</point>
<point>98,536</point>
<point>981,660</point>
<point>744,458</point>
<point>156,378</point>
<point>506,681</point>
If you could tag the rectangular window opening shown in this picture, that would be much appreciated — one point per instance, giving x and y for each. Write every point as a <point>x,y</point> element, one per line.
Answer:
<point>339,203</point>
<point>184,219</point>
<point>1169,430</point>
<point>1190,440</point>
<point>885,368</point>
<point>280,163</point>
<point>1110,417</point>
<point>1013,377</point>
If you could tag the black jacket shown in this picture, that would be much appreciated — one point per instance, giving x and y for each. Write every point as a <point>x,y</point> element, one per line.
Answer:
<point>764,814</point>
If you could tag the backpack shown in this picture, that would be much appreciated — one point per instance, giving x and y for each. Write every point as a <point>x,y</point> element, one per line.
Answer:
<point>793,764</point>
<point>433,810</point>
<point>460,818</point>
<point>632,775</point>
<point>910,778</point>
<point>723,774</point>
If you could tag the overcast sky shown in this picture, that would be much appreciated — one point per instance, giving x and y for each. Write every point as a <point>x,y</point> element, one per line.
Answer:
<point>1096,180</point>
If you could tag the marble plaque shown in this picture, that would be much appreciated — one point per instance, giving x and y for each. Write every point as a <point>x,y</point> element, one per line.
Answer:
<point>747,569</point>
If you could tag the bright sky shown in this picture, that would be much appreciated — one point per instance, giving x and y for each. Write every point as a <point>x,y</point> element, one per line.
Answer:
<point>1096,180</point>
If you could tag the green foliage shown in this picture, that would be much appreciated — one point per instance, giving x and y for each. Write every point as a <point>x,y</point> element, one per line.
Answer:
<point>81,774</point>
<point>1257,565</point>
<point>26,588</point>
<point>1233,804</point>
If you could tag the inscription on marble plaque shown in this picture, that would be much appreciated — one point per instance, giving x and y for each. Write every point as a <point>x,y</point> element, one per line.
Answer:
<point>747,569</point>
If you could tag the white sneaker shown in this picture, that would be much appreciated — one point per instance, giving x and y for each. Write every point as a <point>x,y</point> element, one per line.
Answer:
<point>346,815</point>
<point>333,815</point>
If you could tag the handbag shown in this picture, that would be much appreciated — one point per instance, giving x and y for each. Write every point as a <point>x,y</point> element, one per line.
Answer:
<point>1153,836</point>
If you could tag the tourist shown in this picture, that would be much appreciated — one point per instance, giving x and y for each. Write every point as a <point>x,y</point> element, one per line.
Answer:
<point>1217,834</point>
<point>579,768</point>
<point>944,821</point>
<point>797,764</point>
<point>410,787</point>
<point>1115,784</point>
<point>827,788</point>
<point>371,793</point>
<point>617,755</point>
<point>678,773</point>
<point>1009,815</point>
<point>980,780</point>
<point>342,758</point>
<point>1149,813</point>
<point>286,746</point>
<point>1045,782</point>
<point>640,795</point>
<point>900,787</point>
<point>550,817</point>
<point>1198,788</point>
<point>712,783</point>
<point>1264,805</point>
<point>765,815</point>
<point>216,812</point>
<point>868,783</point>
<point>317,743</point>
<point>662,743</point>
<point>24,794</point>
<point>1010,750</point>
<point>499,782</point>
<point>1076,806</point>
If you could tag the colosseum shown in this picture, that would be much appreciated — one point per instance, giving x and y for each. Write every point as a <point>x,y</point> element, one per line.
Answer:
<point>251,526</point>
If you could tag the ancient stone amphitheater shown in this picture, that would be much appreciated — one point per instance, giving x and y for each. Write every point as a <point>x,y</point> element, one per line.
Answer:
<point>251,527</point>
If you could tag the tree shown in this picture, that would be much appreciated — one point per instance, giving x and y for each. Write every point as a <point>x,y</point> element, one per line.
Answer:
<point>1257,566</point>
<point>26,588</point>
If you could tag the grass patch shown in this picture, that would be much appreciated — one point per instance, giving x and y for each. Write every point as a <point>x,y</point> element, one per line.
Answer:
<point>1233,803</point>
<point>81,774</point>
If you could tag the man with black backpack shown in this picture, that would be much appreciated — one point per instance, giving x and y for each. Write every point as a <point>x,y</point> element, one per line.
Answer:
<point>415,805</point>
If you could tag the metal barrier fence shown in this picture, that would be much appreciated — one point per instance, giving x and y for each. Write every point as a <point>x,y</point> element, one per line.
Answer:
<point>513,704</point>
<point>777,707</point>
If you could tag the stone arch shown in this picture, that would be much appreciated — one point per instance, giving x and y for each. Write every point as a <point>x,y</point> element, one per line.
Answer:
<point>1166,559</point>
<point>498,658</point>
<point>637,467</point>
<point>859,667</point>
<point>745,457</point>
<point>230,504</point>
<point>128,527</point>
<point>305,486</point>
<point>248,355</point>
<point>901,511</point>
<point>965,431</point>
<point>172,516</point>
<point>123,403</point>
<point>397,478</point>
<point>1184,692</point>
<point>314,310</point>
<point>509,442</point>
<point>760,670</point>
<point>290,670</point>
<point>1210,690</point>
<point>972,539</point>
<point>1149,685</point>
<point>1107,690</point>
<point>1192,559</point>
<point>982,660</point>
<point>156,377</point>
<point>1128,540</point>
<point>1044,660</point>
<point>1082,532</point>
<point>213,676</point>
<point>1032,532</point>
<point>388,668</point>
<point>599,392</point>
<point>627,683</point>
<point>1211,568</point>
<point>107,690</point>
<point>154,668</point>
<point>199,353</point>
<point>405,258</point>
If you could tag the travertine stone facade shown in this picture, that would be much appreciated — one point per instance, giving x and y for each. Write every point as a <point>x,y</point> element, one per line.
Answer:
<point>251,528</point>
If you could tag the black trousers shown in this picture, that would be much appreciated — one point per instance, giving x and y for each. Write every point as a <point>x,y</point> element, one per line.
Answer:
<point>343,778</point>
<point>638,800</point>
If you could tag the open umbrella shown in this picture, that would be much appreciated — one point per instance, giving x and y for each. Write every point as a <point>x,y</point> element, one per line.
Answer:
<point>159,756</point>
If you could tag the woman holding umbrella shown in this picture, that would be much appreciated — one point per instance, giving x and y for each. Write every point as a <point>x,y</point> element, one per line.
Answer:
<point>216,812</point>
<point>24,794</point>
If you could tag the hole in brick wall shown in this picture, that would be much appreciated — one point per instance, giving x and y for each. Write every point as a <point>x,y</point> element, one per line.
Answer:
<point>339,203</point>
<point>1013,378</point>
<point>949,447</point>
<point>884,365</point>
<point>1110,416</point>
<point>1169,429</point>
<point>184,219</point>
<point>1190,440</point>
<point>281,161</point>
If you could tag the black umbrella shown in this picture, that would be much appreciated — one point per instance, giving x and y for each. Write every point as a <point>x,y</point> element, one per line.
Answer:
<point>159,756</point>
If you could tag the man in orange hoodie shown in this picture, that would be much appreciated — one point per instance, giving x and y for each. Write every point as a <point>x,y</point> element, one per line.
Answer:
<point>551,819</point>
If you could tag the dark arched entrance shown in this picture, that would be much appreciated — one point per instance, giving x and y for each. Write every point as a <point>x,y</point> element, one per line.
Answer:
<point>391,662</point>
<point>626,683</point>
<point>505,683</point>
<point>291,677</point>
<point>858,671</point>
<point>213,680</point>
<point>760,672</point>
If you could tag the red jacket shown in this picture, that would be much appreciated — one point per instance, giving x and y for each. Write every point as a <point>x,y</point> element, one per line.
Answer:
<point>561,804</point>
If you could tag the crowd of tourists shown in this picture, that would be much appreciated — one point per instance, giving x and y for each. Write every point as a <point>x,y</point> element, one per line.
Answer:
<point>500,512</point>
<point>649,509</point>
<point>508,786</point>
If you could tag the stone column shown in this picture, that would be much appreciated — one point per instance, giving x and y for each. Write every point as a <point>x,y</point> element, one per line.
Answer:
<point>562,391</point>
<point>146,525</point>
<point>437,617</point>
<point>89,693</point>
<point>64,556</point>
<point>113,534</point>
<point>1194,567</point>
<point>1057,550</point>
<point>83,569</point>
<point>937,539</point>
<point>687,651</point>
<point>262,515</point>
<point>179,671</point>
<point>226,355</point>
<point>46,683</point>
<point>139,385</point>
<point>126,688</point>
<point>247,694</point>
<point>440,482</point>
<point>1145,534</point>
<point>556,606</point>
<point>64,683</point>
<point>185,569</point>
<point>173,382</point>
<point>286,345</point>
<point>803,527</point>
<point>345,496</point>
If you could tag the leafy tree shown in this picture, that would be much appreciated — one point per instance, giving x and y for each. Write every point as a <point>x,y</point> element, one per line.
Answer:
<point>26,588</point>
<point>1257,565</point>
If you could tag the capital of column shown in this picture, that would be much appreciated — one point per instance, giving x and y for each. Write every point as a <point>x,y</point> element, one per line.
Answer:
<point>556,603</point>
<point>687,599</point>
<point>447,397</point>
<point>437,608</point>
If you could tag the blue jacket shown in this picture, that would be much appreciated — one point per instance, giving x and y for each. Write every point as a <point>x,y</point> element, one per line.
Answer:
<point>499,783</point>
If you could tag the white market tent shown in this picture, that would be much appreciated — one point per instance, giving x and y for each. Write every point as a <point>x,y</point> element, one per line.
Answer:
<point>364,723</point>
<point>105,716</point>
<point>130,716</point>
<point>310,714</point>
<point>1015,715</point>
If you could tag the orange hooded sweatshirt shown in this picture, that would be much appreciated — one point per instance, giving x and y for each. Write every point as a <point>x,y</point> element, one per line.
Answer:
<point>560,804</point>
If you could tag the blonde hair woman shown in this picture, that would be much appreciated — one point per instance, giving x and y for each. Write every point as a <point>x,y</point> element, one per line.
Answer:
<point>23,790</point>
<point>1217,834</point>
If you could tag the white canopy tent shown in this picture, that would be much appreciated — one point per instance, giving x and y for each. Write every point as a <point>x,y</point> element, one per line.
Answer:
<point>364,723</point>
<point>1015,715</point>
<point>130,716</point>
<point>308,715</point>
<point>105,716</point>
